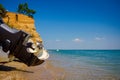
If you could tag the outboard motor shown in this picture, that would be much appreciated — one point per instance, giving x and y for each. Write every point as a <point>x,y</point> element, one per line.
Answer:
<point>16,43</point>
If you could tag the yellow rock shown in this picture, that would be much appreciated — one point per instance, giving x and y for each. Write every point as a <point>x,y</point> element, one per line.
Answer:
<point>22,22</point>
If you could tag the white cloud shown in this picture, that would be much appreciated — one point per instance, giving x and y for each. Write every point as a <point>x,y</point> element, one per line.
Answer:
<point>99,38</point>
<point>57,40</point>
<point>77,40</point>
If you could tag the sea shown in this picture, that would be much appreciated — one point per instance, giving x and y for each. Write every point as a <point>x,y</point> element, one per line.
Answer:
<point>87,64</point>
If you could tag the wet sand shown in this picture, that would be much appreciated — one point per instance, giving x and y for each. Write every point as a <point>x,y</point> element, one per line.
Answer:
<point>47,71</point>
<point>19,71</point>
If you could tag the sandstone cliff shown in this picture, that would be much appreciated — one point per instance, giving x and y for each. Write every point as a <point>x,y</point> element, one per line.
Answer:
<point>22,22</point>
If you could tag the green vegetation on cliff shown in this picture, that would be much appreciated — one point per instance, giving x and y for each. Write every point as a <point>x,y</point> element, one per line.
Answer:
<point>2,11</point>
<point>24,9</point>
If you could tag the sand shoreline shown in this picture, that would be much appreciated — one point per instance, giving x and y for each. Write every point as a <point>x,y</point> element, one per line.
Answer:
<point>48,71</point>
<point>19,71</point>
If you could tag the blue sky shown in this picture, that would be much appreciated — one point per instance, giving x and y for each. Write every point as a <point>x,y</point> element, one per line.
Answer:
<point>75,24</point>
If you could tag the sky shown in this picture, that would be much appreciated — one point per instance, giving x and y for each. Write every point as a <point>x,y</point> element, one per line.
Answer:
<point>75,24</point>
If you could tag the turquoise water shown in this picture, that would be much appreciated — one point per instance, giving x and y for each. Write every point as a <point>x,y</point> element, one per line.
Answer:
<point>97,63</point>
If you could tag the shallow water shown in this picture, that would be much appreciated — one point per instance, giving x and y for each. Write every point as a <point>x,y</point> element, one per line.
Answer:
<point>88,64</point>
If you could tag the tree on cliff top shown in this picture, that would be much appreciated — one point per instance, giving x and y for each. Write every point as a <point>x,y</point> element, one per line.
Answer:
<point>2,11</point>
<point>23,9</point>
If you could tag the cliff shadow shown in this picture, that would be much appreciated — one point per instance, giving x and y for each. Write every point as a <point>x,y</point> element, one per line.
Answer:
<point>9,68</point>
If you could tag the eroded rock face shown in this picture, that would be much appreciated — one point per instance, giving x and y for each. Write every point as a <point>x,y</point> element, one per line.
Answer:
<point>23,22</point>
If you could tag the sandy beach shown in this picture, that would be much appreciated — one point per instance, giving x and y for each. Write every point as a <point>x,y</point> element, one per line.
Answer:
<point>19,71</point>
<point>57,67</point>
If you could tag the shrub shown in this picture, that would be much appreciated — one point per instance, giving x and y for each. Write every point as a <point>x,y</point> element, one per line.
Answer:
<point>2,11</point>
<point>23,9</point>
